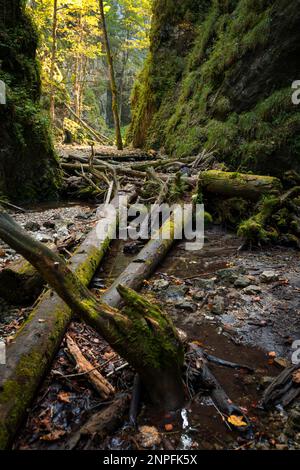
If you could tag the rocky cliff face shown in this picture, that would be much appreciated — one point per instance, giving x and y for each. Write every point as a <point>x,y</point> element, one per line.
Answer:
<point>219,75</point>
<point>28,168</point>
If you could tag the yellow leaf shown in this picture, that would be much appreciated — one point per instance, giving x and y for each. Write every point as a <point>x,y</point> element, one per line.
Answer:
<point>236,421</point>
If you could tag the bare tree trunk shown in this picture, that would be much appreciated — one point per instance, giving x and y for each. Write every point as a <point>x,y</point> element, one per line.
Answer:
<point>112,79</point>
<point>53,60</point>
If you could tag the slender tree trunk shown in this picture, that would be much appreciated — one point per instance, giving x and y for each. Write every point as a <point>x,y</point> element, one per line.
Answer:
<point>112,79</point>
<point>122,83</point>
<point>53,59</point>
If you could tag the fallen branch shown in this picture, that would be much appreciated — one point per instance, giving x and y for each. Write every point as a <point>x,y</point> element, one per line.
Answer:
<point>100,384</point>
<point>101,424</point>
<point>284,389</point>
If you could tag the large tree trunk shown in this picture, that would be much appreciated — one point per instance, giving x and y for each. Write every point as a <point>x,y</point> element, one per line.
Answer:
<point>228,184</point>
<point>112,78</point>
<point>142,334</point>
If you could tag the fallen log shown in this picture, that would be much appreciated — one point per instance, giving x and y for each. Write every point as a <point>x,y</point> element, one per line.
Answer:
<point>228,184</point>
<point>30,355</point>
<point>284,389</point>
<point>101,424</point>
<point>100,384</point>
<point>139,337</point>
<point>141,333</point>
<point>145,262</point>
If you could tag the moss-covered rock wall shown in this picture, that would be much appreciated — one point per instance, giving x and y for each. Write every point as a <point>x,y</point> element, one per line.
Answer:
<point>28,167</point>
<point>219,75</point>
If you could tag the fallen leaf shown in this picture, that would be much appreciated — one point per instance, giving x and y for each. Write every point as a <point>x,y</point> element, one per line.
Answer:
<point>53,436</point>
<point>169,427</point>
<point>237,421</point>
<point>149,436</point>
<point>64,397</point>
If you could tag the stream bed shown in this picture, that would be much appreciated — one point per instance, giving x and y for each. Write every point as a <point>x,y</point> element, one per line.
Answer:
<point>241,306</point>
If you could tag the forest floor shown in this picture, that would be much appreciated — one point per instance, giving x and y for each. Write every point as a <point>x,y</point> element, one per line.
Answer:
<point>219,297</point>
<point>241,306</point>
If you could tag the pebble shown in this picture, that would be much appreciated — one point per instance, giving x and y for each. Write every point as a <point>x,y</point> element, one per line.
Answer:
<point>176,292</point>
<point>242,282</point>
<point>32,226</point>
<point>207,284</point>
<point>160,284</point>
<point>252,290</point>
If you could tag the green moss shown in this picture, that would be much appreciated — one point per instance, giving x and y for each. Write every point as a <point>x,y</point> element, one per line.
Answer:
<point>25,133</point>
<point>185,108</point>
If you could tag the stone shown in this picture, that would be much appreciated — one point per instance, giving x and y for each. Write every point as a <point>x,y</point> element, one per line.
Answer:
<point>269,276</point>
<point>43,238</point>
<point>265,381</point>
<point>218,305</point>
<point>186,305</point>
<point>252,290</point>
<point>198,294</point>
<point>82,216</point>
<point>228,274</point>
<point>293,423</point>
<point>160,284</point>
<point>242,282</point>
<point>176,292</point>
<point>32,226</point>
<point>49,224</point>
<point>206,284</point>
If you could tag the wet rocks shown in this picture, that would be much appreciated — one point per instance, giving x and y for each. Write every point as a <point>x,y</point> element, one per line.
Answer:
<point>293,423</point>
<point>186,305</point>
<point>176,292</point>
<point>206,284</point>
<point>269,276</point>
<point>32,226</point>
<point>218,305</point>
<point>242,282</point>
<point>198,294</point>
<point>252,290</point>
<point>228,275</point>
<point>160,284</point>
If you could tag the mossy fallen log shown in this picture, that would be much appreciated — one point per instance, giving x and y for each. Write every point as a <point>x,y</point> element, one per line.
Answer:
<point>147,339</point>
<point>30,355</point>
<point>142,334</point>
<point>229,184</point>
